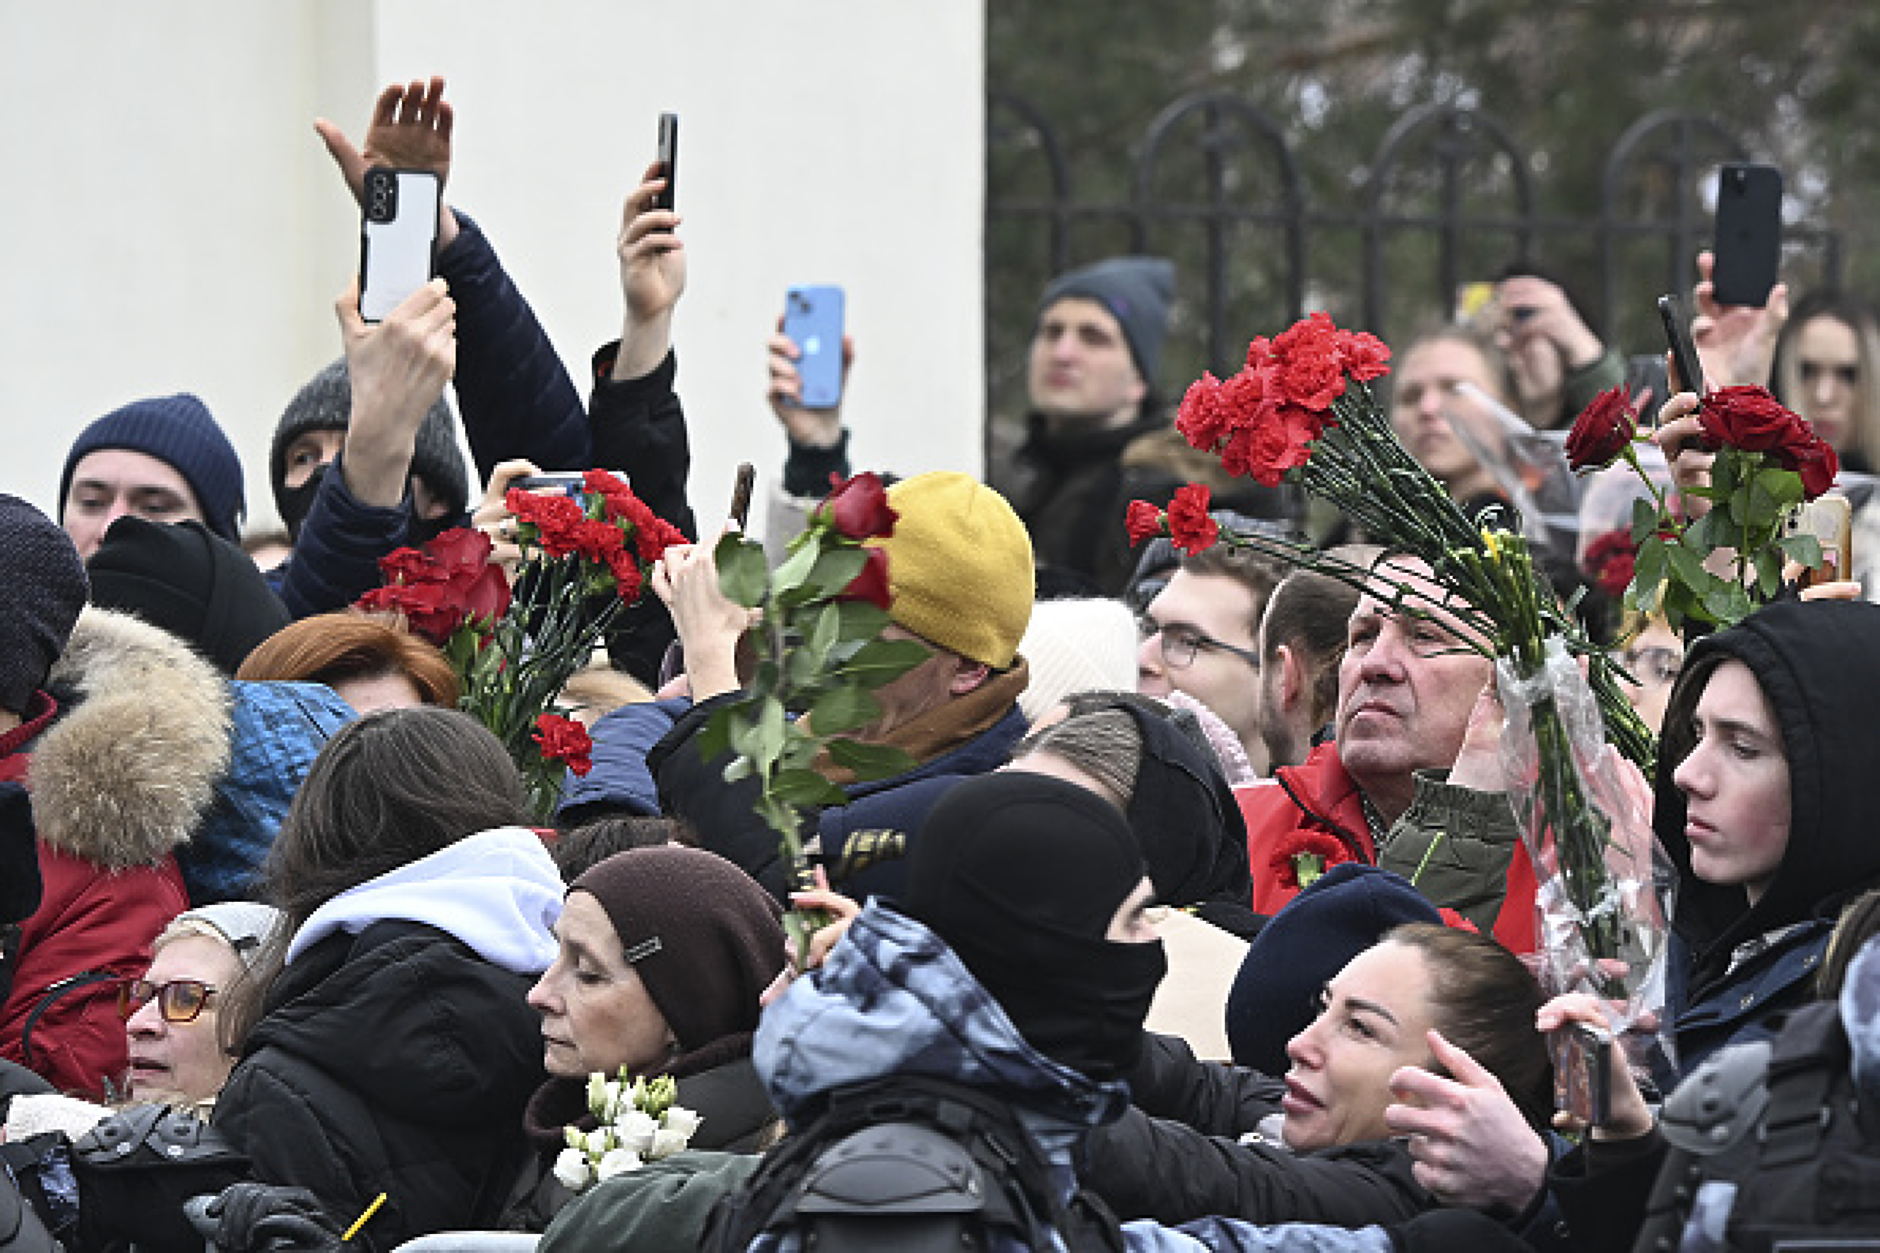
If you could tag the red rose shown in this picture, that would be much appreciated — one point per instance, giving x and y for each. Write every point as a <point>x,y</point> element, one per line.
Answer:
<point>429,609</point>
<point>460,550</point>
<point>408,565</point>
<point>1188,522</point>
<point>485,595</point>
<point>858,507</point>
<point>1749,418</point>
<point>871,584</point>
<point>565,740</point>
<point>1602,431</point>
<point>1816,462</point>
<point>1610,562</point>
<point>1143,521</point>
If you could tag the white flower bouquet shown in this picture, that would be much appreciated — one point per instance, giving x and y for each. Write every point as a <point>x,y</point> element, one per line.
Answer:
<point>639,1123</point>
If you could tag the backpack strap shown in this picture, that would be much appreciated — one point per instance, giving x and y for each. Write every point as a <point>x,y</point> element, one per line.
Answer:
<point>51,997</point>
<point>1807,1057</point>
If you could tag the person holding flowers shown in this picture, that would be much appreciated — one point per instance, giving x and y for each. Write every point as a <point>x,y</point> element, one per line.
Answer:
<point>663,954</point>
<point>959,581</point>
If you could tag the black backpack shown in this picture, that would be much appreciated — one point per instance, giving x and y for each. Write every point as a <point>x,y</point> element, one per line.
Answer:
<point>1774,1136</point>
<point>910,1164</point>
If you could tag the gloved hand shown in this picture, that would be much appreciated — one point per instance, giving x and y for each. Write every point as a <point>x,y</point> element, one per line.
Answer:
<point>265,1218</point>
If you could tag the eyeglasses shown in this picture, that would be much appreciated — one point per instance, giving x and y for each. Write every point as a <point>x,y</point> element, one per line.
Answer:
<point>1180,644</point>
<point>179,1000</point>
<point>1655,664</point>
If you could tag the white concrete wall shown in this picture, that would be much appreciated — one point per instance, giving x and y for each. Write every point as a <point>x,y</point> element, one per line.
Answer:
<point>171,221</point>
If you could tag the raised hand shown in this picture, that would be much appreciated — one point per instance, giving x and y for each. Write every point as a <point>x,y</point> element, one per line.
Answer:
<point>398,370</point>
<point>813,428</point>
<point>410,130</point>
<point>1737,343</point>
<point>652,277</point>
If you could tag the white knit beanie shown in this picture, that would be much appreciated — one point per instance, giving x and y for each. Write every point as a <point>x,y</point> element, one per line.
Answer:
<point>1077,646</point>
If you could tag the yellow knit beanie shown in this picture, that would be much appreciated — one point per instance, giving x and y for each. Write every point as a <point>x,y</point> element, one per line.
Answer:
<point>959,566</point>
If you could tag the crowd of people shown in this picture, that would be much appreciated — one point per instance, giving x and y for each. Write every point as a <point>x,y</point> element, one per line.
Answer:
<point>1202,901</point>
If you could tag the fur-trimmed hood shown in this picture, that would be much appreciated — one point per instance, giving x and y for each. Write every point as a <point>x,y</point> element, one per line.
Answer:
<point>125,776</point>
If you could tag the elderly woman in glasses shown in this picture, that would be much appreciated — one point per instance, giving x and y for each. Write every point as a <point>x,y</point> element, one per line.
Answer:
<point>170,1015</point>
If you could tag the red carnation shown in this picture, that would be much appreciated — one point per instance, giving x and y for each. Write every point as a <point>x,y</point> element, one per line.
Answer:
<point>1189,525</point>
<point>871,584</point>
<point>1309,370</point>
<point>1200,418</point>
<point>1143,520</point>
<point>565,740</point>
<point>1602,431</point>
<point>604,483</point>
<point>1305,848</point>
<point>858,507</point>
<point>1366,356</point>
<point>628,580</point>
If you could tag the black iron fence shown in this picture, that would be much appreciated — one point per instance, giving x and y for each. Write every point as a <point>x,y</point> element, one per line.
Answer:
<point>1450,196</point>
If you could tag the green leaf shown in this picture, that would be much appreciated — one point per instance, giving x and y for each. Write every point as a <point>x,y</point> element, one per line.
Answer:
<point>1727,603</point>
<point>1804,548</point>
<point>1644,520</point>
<point>738,768</point>
<point>1784,486</point>
<point>789,576</point>
<point>1686,566</point>
<point>883,661</point>
<point>870,761</point>
<point>825,631</point>
<point>1648,572</point>
<point>714,737</point>
<point>843,708</point>
<point>836,568</point>
<point>1768,574</point>
<point>804,788</point>
<point>861,620</point>
<point>742,572</point>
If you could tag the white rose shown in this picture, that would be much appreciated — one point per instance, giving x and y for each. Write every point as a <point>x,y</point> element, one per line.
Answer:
<point>598,1142</point>
<point>666,1142</point>
<point>599,1093</point>
<point>682,1120</point>
<point>571,1168</point>
<point>636,1130</point>
<point>617,1162</point>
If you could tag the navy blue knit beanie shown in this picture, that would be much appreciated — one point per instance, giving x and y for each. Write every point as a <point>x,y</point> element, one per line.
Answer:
<point>1136,291</point>
<point>45,590</point>
<point>1275,996</point>
<point>178,431</point>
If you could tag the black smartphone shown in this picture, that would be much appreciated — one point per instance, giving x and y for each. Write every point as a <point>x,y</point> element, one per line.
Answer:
<point>1683,351</point>
<point>560,482</point>
<point>1748,243</point>
<point>397,238</point>
<point>668,161</point>
<point>1583,1074</point>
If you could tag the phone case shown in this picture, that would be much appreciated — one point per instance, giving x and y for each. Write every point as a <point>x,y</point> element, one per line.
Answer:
<point>1748,245</point>
<point>669,158</point>
<point>812,319</point>
<point>397,238</point>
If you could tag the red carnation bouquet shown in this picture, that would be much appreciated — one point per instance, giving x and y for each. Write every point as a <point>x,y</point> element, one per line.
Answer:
<point>584,558</point>
<point>1720,566</point>
<point>1302,411</point>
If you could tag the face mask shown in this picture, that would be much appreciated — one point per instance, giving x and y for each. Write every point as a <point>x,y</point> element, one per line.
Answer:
<point>297,502</point>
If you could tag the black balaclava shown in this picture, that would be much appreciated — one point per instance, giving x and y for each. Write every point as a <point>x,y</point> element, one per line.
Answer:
<point>1818,665</point>
<point>1021,874</point>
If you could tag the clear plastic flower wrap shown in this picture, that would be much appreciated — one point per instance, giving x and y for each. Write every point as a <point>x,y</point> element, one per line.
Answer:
<point>1603,881</point>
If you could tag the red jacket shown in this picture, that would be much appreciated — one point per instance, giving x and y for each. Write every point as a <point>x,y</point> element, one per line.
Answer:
<point>1314,805</point>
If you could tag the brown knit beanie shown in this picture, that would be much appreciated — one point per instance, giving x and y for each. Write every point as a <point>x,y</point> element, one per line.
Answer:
<point>700,933</point>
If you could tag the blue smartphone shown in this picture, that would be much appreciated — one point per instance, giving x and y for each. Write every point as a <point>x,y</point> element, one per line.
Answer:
<point>812,320</point>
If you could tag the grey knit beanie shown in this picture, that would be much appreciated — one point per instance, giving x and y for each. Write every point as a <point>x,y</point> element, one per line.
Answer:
<point>1136,291</point>
<point>46,589</point>
<point>246,925</point>
<point>325,404</point>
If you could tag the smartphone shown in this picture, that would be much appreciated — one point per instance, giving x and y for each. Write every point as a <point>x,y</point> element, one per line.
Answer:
<point>1748,243</point>
<point>1683,351</point>
<point>812,319</point>
<point>1830,519</point>
<point>562,482</point>
<point>668,161</point>
<point>1583,1074</point>
<point>397,238</point>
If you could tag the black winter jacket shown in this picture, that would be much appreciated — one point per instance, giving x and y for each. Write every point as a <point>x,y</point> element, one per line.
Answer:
<point>393,1061</point>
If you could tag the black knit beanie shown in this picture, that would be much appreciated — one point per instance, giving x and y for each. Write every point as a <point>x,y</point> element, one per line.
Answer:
<point>700,933</point>
<point>1341,914</point>
<point>180,432</point>
<point>1021,875</point>
<point>195,585</point>
<point>325,404</point>
<point>1136,291</point>
<point>45,590</point>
